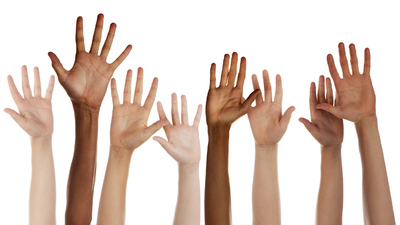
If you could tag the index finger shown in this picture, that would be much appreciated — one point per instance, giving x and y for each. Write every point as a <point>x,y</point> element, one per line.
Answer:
<point>79,39</point>
<point>14,91</point>
<point>242,73</point>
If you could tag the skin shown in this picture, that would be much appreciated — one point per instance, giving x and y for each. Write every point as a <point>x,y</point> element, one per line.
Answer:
<point>35,117</point>
<point>86,84</point>
<point>224,106</point>
<point>356,103</point>
<point>184,146</point>
<point>129,130</point>
<point>268,126</point>
<point>327,129</point>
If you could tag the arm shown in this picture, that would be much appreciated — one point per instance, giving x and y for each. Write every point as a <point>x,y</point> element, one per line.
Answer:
<point>35,117</point>
<point>225,104</point>
<point>86,84</point>
<point>268,126</point>
<point>327,129</point>
<point>357,104</point>
<point>128,131</point>
<point>184,146</point>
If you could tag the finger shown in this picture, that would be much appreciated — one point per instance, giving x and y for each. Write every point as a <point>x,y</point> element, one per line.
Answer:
<point>137,97</point>
<point>197,118</point>
<point>313,97</point>
<point>26,89</point>
<point>278,90</point>
<point>233,70</point>
<point>128,86</point>
<point>79,39</point>
<point>247,104</point>
<point>160,110</point>
<point>367,62</point>
<point>50,88</point>
<point>37,89</point>
<point>212,76</point>
<point>267,87</point>
<point>184,110</point>
<point>121,57</point>
<point>321,89</point>
<point>114,93</point>
<point>149,131</point>
<point>242,73</point>
<point>332,69</point>
<point>335,110</point>
<point>354,60</point>
<point>309,126</point>
<point>343,60</point>
<point>97,34</point>
<point>152,95</point>
<point>174,109</point>
<point>256,86</point>
<point>14,91</point>
<point>165,144</point>
<point>109,40</point>
<point>284,122</point>
<point>329,91</point>
<point>224,73</point>
<point>20,120</point>
<point>58,67</point>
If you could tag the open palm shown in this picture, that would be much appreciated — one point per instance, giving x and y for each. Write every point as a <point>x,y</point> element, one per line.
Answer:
<point>35,115</point>
<point>88,79</point>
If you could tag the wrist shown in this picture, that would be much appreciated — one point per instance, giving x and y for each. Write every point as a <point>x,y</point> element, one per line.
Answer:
<point>84,107</point>
<point>266,147</point>
<point>367,121</point>
<point>120,151</point>
<point>189,166</point>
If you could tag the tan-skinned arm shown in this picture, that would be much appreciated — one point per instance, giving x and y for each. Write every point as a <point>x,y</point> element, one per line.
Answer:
<point>327,129</point>
<point>128,131</point>
<point>357,104</point>
<point>184,146</point>
<point>225,105</point>
<point>35,117</point>
<point>86,84</point>
<point>268,126</point>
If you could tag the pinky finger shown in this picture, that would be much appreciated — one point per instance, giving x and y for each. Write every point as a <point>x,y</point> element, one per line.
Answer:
<point>50,88</point>
<point>197,118</point>
<point>121,57</point>
<point>114,93</point>
<point>16,116</point>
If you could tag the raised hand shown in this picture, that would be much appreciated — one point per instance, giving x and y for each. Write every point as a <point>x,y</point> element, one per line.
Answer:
<point>325,127</point>
<point>224,104</point>
<point>183,140</point>
<point>35,115</point>
<point>129,120</point>
<point>88,79</point>
<point>266,120</point>
<point>355,94</point>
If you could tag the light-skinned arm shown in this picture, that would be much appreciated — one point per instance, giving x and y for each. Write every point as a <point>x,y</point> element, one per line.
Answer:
<point>268,126</point>
<point>86,84</point>
<point>356,98</point>
<point>224,106</point>
<point>327,129</point>
<point>35,117</point>
<point>184,146</point>
<point>128,131</point>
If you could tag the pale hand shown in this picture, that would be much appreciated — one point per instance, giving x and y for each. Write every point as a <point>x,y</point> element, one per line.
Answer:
<point>35,115</point>
<point>129,120</point>
<point>326,128</point>
<point>226,104</point>
<point>183,140</point>
<point>266,120</point>
<point>88,79</point>
<point>355,94</point>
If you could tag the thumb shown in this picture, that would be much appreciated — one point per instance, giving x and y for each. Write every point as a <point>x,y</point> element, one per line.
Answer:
<point>247,104</point>
<point>149,131</point>
<point>58,67</point>
<point>286,117</point>
<point>335,110</point>
<point>16,116</point>
<point>165,144</point>
<point>309,126</point>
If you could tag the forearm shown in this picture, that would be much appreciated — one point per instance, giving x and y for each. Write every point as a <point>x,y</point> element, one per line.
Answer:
<point>266,200</point>
<point>113,194</point>
<point>217,189</point>
<point>330,196</point>
<point>187,210</point>
<point>42,198</point>
<point>83,167</point>
<point>377,201</point>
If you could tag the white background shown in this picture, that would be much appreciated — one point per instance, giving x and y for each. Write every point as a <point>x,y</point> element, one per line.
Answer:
<point>177,41</point>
